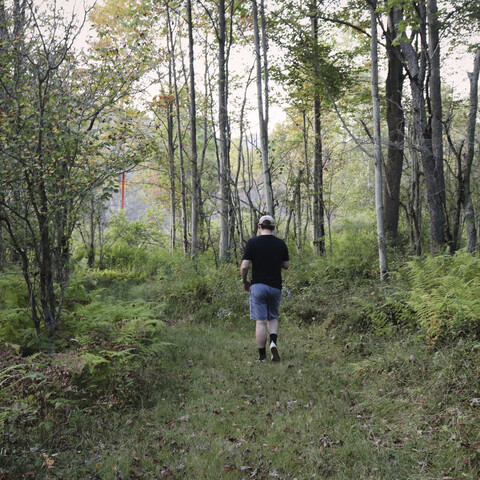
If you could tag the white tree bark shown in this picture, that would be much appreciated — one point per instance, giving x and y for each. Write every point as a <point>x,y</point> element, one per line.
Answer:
<point>382,249</point>
<point>472,120</point>
<point>193,138</point>
<point>262,106</point>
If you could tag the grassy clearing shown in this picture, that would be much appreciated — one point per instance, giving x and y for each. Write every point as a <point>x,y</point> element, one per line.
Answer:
<point>335,407</point>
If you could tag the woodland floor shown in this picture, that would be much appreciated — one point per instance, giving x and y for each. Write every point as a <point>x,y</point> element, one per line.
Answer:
<point>362,408</point>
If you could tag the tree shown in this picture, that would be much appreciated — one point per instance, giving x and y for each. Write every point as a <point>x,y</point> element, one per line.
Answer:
<point>54,150</point>
<point>224,171</point>
<point>464,156</point>
<point>427,125</point>
<point>382,249</point>
<point>171,43</point>
<point>263,100</point>
<point>313,75</point>
<point>193,137</point>
<point>396,126</point>
<point>472,120</point>
<point>318,202</point>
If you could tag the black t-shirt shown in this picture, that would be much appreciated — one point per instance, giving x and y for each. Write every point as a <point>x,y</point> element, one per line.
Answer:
<point>267,253</point>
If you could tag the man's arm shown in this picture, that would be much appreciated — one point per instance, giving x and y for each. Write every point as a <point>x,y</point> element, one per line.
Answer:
<point>286,264</point>
<point>244,267</point>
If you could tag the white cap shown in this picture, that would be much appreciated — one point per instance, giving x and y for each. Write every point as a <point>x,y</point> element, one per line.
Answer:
<point>267,220</point>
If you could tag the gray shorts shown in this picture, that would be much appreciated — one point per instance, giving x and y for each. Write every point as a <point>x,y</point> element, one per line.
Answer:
<point>264,302</point>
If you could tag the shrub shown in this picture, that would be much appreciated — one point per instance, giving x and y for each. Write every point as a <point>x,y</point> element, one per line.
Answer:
<point>198,291</point>
<point>13,292</point>
<point>355,252</point>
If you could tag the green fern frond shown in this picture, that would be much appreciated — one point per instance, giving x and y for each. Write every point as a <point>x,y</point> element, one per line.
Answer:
<point>445,294</point>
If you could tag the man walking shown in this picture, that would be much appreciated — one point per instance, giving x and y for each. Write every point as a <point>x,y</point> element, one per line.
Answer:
<point>268,254</point>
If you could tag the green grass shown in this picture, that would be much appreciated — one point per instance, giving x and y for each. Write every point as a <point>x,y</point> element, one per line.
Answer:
<point>361,407</point>
<point>161,382</point>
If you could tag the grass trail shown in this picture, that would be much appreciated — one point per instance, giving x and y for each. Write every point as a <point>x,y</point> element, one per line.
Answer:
<point>328,410</point>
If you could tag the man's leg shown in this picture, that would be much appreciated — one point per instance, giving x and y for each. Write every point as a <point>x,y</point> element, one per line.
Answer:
<point>272,327</point>
<point>261,337</point>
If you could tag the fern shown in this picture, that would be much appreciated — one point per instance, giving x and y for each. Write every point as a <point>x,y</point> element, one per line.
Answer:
<point>445,295</point>
<point>93,361</point>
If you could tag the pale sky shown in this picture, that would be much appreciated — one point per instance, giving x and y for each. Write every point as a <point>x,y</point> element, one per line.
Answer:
<point>453,72</point>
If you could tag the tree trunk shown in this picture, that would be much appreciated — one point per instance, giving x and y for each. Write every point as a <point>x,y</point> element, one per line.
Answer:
<point>193,137</point>
<point>382,250</point>
<point>171,162</point>
<point>91,239</point>
<point>262,109</point>
<point>435,104</point>
<point>472,120</point>
<point>396,128</point>
<point>413,209</point>
<point>179,135</point>
<point>223,127</point>
<point>298,211</point>
<point>318,205</point>
<point>432,166</point>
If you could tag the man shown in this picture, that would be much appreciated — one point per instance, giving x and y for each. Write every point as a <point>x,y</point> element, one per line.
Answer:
<point>268,255</point>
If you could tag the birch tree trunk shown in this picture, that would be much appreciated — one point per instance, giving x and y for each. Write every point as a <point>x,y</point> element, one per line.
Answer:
<point>382,250</point>
<point>179,135</point>
<point>262,108</point>
<point>193,137</point>
<point>171,161</point>
<point>298,211</point>
<point>472,120</point>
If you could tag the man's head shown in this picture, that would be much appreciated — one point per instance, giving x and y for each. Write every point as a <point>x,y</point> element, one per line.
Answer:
<point>267,223</point>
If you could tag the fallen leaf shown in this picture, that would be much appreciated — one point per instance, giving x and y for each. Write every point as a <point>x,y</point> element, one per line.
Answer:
<point>228,468</point>
<point>166,472</point>
<point>47,462</point>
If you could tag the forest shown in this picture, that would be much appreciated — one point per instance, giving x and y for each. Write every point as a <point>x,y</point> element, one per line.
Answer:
<point>141,141</point>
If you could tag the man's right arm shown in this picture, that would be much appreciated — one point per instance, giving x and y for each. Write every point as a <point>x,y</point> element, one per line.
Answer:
<point>244,267</point>
<point>244,270</point>
<point>286,264</point>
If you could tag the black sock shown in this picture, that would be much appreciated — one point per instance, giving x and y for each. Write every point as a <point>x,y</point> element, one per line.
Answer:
<point>262,352</point>
<point>273,338</point>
